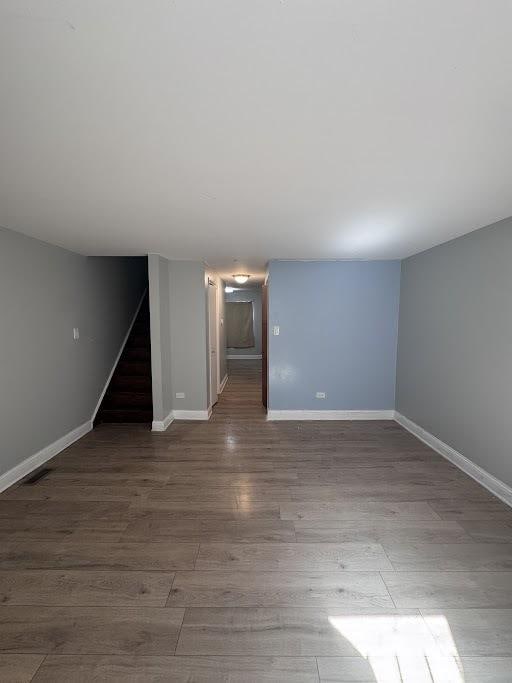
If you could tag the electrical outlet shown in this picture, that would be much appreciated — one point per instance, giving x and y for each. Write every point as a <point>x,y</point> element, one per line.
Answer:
<point>275,330</point>
<point>180,394</point>
<point>76,333</point>
<point>321,394</point>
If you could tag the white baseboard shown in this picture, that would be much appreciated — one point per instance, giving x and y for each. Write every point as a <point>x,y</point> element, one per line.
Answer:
<point>42,456</point>
<point>223,384</point>
<point>192,414</point>
<point>330,415</point>
<point>490,482</point>
<point>245,356</point>
<point>123,344</point>
<point>161,425</point>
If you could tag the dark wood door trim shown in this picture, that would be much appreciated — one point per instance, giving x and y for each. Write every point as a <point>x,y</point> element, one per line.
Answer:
<point>264,345</point>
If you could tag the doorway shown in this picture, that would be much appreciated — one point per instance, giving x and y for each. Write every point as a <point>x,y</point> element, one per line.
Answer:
<point>245,333</point>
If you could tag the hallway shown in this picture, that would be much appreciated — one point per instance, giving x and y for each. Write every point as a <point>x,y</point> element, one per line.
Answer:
<point>241,550</point>
<point>241,398</point>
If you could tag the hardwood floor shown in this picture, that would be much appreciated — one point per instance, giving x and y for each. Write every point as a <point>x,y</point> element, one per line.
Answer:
<point>239,550</point>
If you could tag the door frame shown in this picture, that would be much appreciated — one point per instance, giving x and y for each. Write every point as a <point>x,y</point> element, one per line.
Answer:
<point>213,318</point>
<point>264,345</point>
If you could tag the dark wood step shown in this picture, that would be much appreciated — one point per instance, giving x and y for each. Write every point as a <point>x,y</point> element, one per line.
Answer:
<point>141,328</point>
<point>137,353</point>
<point>128,399</point>
<point>134,367</point>
<point>130,383</point>
<point>141,339</point>
<point>133,415</point>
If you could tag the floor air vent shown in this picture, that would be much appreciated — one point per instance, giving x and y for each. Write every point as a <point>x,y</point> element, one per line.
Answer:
<point>37,476</point>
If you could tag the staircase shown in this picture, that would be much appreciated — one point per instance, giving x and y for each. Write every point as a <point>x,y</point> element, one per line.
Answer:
<point>128,397</point>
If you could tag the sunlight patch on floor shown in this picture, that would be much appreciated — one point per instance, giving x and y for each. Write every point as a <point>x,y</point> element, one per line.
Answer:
<point>402,648</point>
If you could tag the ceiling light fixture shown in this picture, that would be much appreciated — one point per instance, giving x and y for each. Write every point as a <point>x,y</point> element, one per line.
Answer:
<point>241,278</point>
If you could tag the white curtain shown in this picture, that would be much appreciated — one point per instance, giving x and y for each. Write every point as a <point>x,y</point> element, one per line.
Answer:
<point>239,325</point>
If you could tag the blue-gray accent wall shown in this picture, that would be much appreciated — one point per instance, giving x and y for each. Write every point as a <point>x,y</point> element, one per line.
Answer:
<point>338,334</point>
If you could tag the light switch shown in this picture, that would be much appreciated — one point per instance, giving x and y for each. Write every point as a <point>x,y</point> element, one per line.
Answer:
<point>76,333</point>
<point>275,331</point>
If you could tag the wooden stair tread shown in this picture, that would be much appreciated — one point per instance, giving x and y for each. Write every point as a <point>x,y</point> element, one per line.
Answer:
<point>126,415</point>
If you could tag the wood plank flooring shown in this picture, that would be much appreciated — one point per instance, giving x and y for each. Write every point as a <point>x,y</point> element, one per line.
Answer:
<point>239,550</point>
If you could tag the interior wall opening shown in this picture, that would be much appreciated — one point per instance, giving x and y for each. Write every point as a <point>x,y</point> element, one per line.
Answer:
<point>242,326</point>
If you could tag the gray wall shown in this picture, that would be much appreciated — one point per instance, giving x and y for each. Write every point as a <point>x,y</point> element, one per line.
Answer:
<point>455,345</point>
<point>49,383</point>
<point>178,335</point>
<point>338,334</point>
<point>222,331</point>
<point>250,294</point>
<point>189,334</point>
<point>160,314</point>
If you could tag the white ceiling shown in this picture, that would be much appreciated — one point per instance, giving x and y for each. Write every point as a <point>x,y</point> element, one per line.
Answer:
<point>254,129</point>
